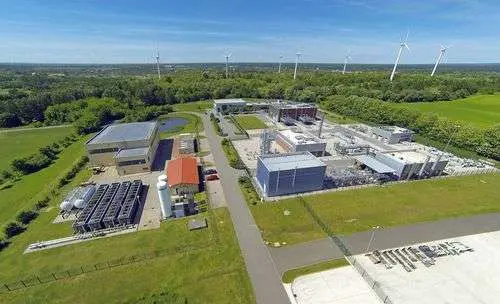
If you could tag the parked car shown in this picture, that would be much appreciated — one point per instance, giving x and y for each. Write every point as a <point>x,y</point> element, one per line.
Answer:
<point>212,177</point>
<point>210,171</point>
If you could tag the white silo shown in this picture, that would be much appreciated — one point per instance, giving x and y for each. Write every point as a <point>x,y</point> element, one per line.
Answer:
<point>162,178</point>
<point>165,200</point>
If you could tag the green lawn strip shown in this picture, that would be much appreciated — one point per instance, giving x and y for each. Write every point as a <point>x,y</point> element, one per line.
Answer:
<point>17,144</point>
<point>248,190</point>
<point>398,204</point>
<point>194,266</point>
<point>25,192</point>
<point>292,274</point>
<point>250,122</point>
<point>231,154</point>
<point>478,110</point>
<point>197,106</point>
<point>193,124</point>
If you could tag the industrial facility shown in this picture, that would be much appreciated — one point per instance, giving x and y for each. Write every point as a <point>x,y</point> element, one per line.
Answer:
<point>296,141</point>
<point>289,112</point>
<point>111,205</point>
<point>131,147</point>
<point>227,106</point>
<point>183,176</point>
<point>280,174</point>
<point>393,134</point>
<point>186,144</point>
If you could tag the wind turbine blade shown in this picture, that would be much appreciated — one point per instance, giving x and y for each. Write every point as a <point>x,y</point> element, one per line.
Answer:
<point>406,46</point>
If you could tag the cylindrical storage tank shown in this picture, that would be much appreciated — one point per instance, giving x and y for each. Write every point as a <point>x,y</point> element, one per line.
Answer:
<point>162,178</point>
<point>165,201</point>
<point>80,203</point>
<point>66,206</point>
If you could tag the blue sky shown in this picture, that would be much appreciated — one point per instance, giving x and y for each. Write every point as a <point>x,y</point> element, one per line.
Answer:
<point>126,31</point>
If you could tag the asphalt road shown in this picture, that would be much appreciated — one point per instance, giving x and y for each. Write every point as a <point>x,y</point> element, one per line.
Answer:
<point>265,278</point>
<point>317,251</point>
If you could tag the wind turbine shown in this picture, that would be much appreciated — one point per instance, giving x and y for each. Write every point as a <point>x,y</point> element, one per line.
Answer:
<point>346,58</point>
<point>402,45</point>
<point>157,59</point>
<point>296,65</point>
<point>227,64</point>
<point>279,65</point>
<point>442,52</point>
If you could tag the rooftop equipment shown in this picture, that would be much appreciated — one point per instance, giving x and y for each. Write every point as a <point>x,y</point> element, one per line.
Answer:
<point>130,205</point>
<point>80,223</point>
<point>110,217</point>
<point>95,221</point>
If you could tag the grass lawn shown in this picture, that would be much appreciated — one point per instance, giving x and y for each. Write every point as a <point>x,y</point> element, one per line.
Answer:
<point>22,143</point>
<point>479,110</point>
<point>24,193</point>
<point>198,106</point>
<point>250,122</point>
<point>194,124</point>
<point>398,204</point>
<point>204,266</point>
<point>291,275</point>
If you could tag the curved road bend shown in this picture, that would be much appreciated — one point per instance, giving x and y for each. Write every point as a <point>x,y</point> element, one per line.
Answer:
<point>265,278</point>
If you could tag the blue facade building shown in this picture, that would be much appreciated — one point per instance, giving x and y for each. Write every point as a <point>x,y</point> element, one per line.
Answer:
<point>281,174</point>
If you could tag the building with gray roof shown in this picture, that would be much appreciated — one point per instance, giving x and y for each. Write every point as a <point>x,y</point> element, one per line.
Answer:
<point>130,147</point>
<point>280,174</point>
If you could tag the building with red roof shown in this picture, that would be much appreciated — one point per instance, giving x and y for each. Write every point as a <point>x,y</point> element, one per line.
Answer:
<point>182,176</point>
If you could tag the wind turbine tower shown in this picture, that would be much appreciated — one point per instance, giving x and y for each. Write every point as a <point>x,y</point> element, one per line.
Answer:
<point>157,59</point>
<point>346,58</point>
<point>279,64</point>
<point>442,52</point>
<point>227,64</point>
<point>402,45</point>
<point>296,65</point>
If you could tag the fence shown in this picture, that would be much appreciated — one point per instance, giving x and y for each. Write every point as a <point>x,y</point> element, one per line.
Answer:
<point>373,284</point>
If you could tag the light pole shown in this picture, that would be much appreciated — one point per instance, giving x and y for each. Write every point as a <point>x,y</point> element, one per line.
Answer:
<point>372,237</point>
<point>451,137</point>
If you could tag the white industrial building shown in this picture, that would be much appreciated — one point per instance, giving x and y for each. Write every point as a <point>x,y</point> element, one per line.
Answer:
<point>292,141</point>
<point>226,106</point>
<point>409,164</point>
<point>393,134</point>
<point>131,147</point>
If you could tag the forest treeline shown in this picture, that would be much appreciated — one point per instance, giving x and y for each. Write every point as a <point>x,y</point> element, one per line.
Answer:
<point>25,98</point>
<point>482,141</point>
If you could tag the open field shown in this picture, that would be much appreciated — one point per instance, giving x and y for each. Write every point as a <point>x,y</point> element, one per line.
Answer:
<point>480,110</point>
<point>24,193</point>
<point>197,106</point>
<point>203,266</point>
<point>194,124</point>
<point>250,122</point>
<point>391,205</point>
<point>290,275</point>
<point>23,143</point>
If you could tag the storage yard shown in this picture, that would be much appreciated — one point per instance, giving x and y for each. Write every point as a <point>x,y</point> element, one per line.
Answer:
<point>458,270</point>
<point>354,154</point>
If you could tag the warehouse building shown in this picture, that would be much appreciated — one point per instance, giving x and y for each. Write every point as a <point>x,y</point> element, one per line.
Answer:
<point>226,106</point>
<point>131,147</point>
<point>393,134</point>
<point>280,174</point>
<point>292,141</point>
<point>412,164</point>
<point>183,176</point>
<point>281,111</point>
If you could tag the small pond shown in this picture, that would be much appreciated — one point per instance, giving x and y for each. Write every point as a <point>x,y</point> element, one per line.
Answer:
<point>172,123</point>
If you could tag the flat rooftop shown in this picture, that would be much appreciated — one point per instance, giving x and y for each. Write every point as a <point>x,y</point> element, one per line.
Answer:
<point>124,132</point>
<point>136,152</point>
<point>230,101</point>
<point>290,161</point>
<point>292,105</point>
<point>394,129</point>
<point>410,157</point>
<point>300,138</point>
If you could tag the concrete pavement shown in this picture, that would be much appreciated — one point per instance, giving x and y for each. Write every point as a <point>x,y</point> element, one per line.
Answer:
<point>321,250</point>
<point>265,278</point>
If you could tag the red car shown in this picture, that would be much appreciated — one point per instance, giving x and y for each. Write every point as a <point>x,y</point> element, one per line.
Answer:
<point>212,177</point>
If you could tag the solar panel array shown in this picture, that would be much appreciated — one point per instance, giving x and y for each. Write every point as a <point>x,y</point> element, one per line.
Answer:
<point>80,223</point>
<point>130,204</point>
<point>110,218</point>
<point>95,221</point>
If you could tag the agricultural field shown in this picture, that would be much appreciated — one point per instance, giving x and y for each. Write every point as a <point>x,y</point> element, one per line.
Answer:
<point>250,122</point>
<point>17,143</point>
<point>24,193</point>
<point>203,266</point>
<point>480,110</point>
<point>390,205</point>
